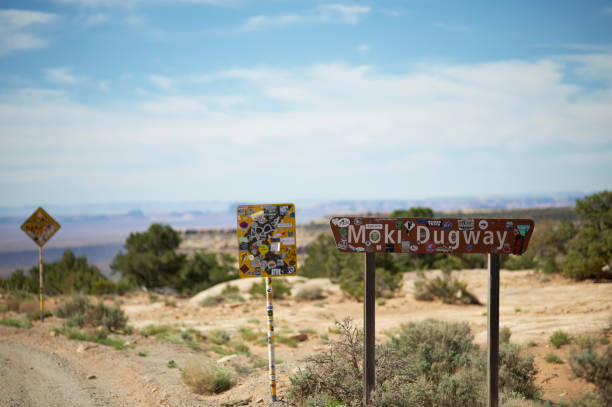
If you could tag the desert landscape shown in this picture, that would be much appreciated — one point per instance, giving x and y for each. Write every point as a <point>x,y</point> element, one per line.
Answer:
<point>40,367</point>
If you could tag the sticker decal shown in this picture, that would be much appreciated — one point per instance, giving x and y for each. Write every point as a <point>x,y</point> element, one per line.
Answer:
<point>266,240</point>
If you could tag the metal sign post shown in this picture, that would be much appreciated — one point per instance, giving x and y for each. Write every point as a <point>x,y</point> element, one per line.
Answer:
<point>422,235</point>
<point>493,332</point>
<point>267,248</point>
<point>40,227</point>
<point>369,357</point>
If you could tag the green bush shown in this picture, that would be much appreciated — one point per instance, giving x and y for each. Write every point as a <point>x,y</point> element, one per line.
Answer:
<point>595,367</point>
<point>559,338</point>
<point>445,288</point>
<point>68,275</point>
<point>590,250</point>
<point>431,363</point>
<point>79,312</point>
<point>280,289</point>
<point>552,358</point>
<point>309,294</point>
<point>17,323</point>
<point>230,289</point>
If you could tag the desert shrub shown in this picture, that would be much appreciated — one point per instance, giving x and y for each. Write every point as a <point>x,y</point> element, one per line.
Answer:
<point>218,337</point>
<point>523,262</point>
<point>35,314</point>
<point>517,371</point>
<point>113,317</point>
<point>504,335</point>
<point>431,363</point>
<point>439,347</point>
<point>444,288</point>
<point>595,367</point>
<point>559,338</point>
<point>230,289</point>
<point>207,378</point>
<point>17,323</point>
<point>79,312</point>
<point>99,335</point>
<point>280,289</point>
<point>159,331</point>
<point>212,300</point>
<point>310,294</point>
<point>552,358</point>
<point>386,284</point>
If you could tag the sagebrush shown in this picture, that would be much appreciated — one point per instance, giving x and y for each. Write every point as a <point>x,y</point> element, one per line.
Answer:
<point>430,364</point>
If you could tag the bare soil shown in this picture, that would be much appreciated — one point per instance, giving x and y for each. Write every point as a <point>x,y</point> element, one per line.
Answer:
<point>39,369</point>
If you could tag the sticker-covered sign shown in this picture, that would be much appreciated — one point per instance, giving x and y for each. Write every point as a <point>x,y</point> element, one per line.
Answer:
<point>422,235</point>
<point>266,240</point>
<point>40,227</point>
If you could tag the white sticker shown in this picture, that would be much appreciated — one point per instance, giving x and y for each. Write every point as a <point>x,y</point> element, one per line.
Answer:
<point>284,225</point>
<point>288,240</point>
<point>341,222</point>
<point>375,236</point>
<point>374,226</point>
<point>483,224</point>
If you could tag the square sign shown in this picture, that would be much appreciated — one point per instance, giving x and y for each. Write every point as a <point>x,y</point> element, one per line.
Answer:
<point>266,240</point>
<point>40,227</point>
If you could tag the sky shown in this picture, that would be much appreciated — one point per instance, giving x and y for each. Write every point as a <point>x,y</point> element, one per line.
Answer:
<point>106,101</point>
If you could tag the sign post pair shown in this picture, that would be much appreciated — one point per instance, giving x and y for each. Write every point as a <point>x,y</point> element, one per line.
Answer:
<point>427,235</point>
<point>40,227</point>
<point>267,248</point>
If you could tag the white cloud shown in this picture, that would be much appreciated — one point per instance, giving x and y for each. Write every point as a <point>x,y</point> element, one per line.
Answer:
<point>331,126</point>
<point>62,75</point>
<point>348,14</point>
<point>608,10</point>
<point>261,21</point>
<point>15,26</point>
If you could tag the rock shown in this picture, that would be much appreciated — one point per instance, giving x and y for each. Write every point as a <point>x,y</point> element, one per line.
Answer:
<point>300,337</point>
<point>53,333</point>
<point>91,377</point>
<point>80,349</point>
<point>259,400</point>
<point>154,389</point>
<point>226,359</point>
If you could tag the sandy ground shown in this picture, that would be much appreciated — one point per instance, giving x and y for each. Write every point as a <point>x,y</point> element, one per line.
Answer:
<point>39,369</point>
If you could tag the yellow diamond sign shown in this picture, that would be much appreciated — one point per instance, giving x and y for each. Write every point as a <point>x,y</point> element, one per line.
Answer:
<point>40,227</point>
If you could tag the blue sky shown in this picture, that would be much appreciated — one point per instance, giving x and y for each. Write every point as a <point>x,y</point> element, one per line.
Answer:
<point>107,101</point>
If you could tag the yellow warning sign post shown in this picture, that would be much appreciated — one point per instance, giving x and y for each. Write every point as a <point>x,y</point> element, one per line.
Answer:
<point>40,227</point>
<point>267,248</point>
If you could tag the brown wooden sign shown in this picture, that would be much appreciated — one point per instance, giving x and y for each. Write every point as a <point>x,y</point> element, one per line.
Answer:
<point>429,235</point>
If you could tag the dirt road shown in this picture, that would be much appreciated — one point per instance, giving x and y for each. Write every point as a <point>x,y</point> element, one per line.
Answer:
<point>32,377</point>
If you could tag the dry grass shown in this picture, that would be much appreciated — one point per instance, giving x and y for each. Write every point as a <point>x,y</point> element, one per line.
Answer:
<point>207,378</point>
